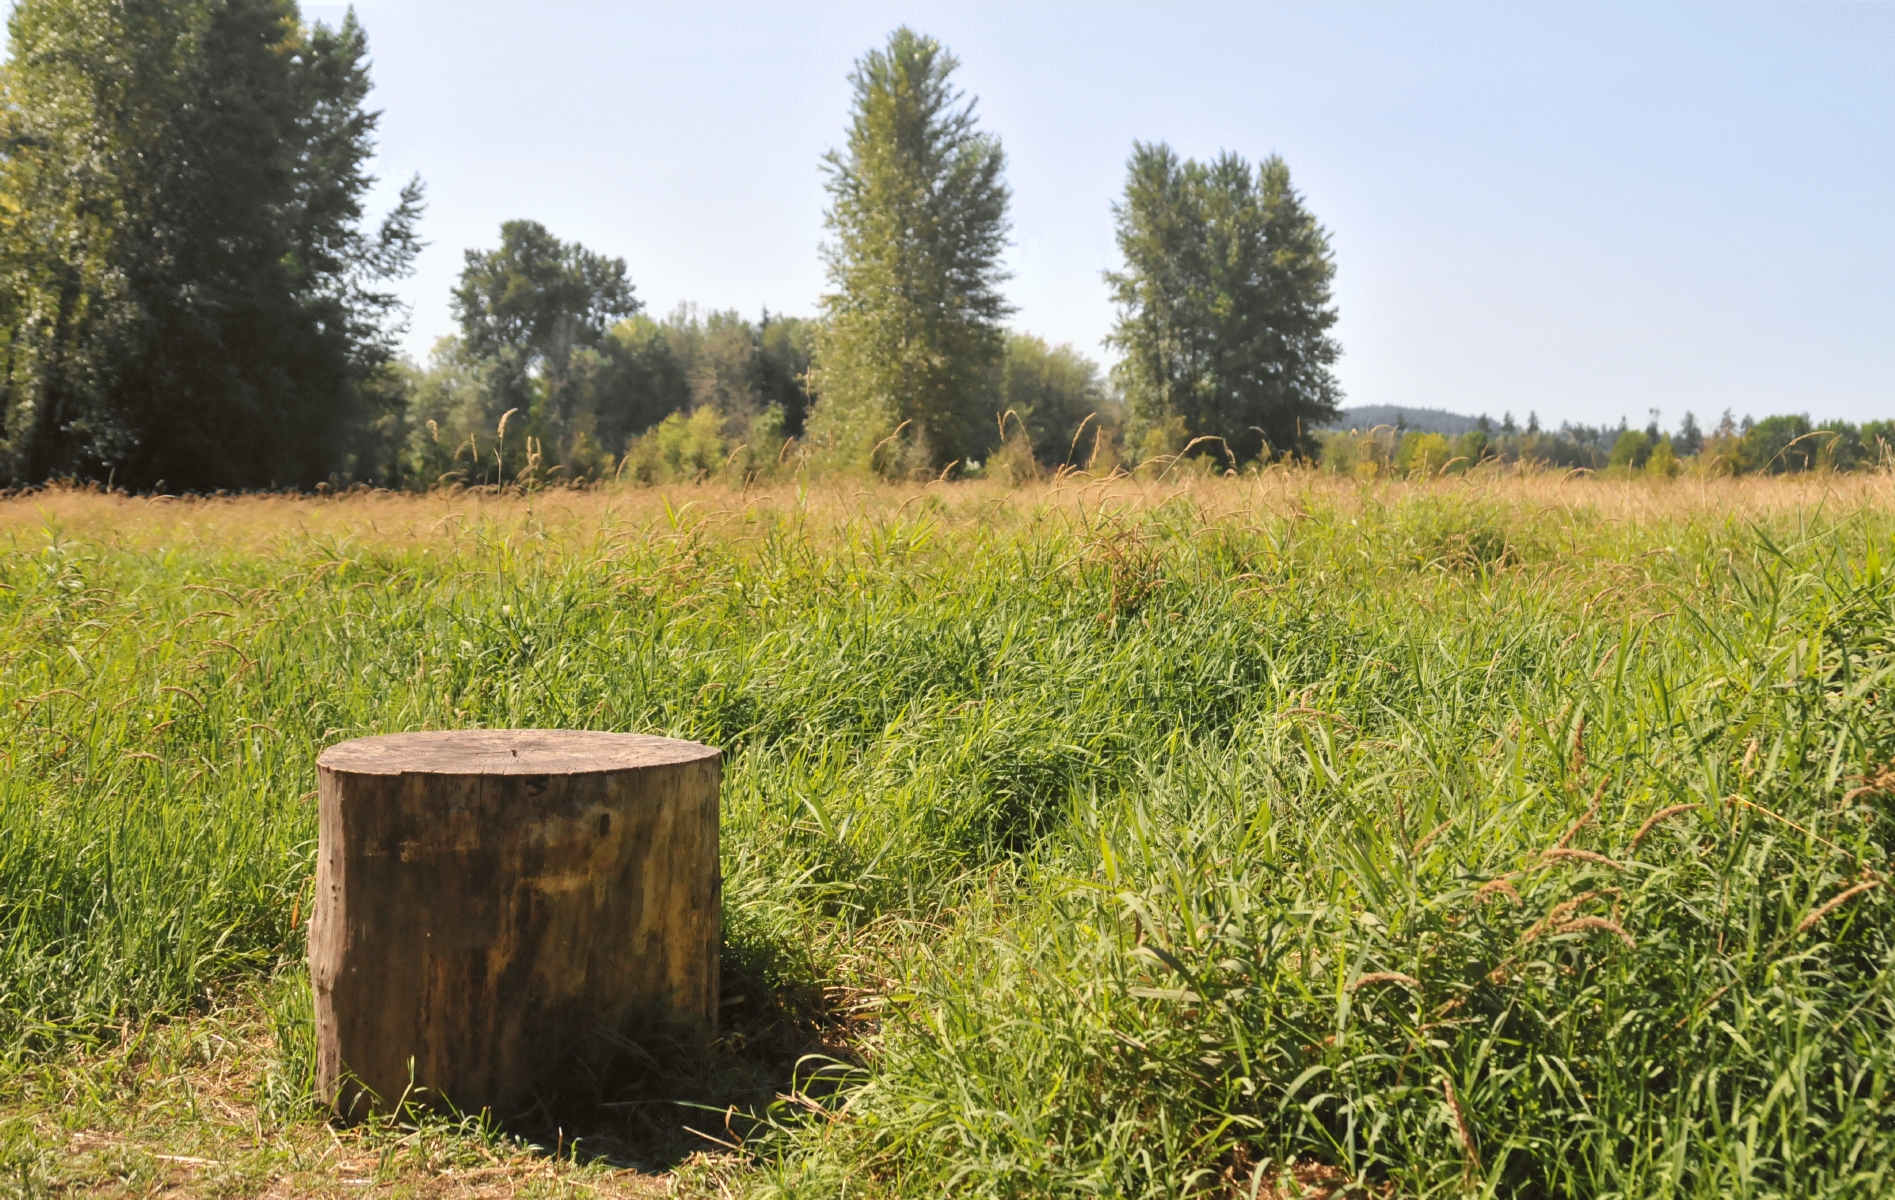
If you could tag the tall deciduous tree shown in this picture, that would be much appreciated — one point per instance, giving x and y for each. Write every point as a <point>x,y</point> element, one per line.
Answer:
<point>918,210</point>
<point>1224,305</point>
<point>187,291</point>
<point>532,309</point>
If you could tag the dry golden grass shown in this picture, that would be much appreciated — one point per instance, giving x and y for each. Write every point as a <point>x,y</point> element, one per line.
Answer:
<point>368,518</point>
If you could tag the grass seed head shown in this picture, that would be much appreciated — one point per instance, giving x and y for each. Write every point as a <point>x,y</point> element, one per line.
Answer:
<point>1383,977</point>
<point>1586,924</point>
<point>1651,822</point>
<point>1559,854</point>
<point>1499,887</point>
<point>1835,902</point>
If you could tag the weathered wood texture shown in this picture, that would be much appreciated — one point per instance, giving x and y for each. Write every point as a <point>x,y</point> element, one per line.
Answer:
<point>486,899</point>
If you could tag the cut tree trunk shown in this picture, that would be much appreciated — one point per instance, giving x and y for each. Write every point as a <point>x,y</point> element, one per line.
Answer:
<point>488,900</point>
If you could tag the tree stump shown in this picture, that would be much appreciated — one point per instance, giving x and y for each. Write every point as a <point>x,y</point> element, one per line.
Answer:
<point>486,900</point>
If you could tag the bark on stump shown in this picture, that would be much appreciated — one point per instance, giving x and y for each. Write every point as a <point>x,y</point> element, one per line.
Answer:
<point>487,899</point>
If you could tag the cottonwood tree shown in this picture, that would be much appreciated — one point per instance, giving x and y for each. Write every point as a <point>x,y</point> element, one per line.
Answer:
<point>918,213</point>
<point>188,292</point>
<point>1224,306</point>
<point>536,310</point>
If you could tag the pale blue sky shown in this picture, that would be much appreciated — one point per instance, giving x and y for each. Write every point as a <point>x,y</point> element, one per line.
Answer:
<point>1588,211</point>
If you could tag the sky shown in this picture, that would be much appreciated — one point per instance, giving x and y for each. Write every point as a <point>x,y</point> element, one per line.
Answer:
<point>1583,211</point>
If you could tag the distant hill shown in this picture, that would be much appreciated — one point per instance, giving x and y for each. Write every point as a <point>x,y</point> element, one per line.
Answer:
<point>1428,420</point>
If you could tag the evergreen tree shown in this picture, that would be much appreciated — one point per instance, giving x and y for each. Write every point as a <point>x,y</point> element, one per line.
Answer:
<point>1224,306</point>
<point>1689,438</point>
<point>186,289</point>
<point>918,209</point>
<point>785,346</point>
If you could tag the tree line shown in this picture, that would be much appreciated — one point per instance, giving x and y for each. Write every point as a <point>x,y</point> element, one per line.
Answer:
<point>909,368</point>
<point>1777,445</point>
<point>558,373</point>
<point>193,297</point>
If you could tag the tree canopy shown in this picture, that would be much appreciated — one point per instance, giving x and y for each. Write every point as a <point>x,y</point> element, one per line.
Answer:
<point>534,313</point>
<point>918,210</point>
<point>555,350</point>
<point>1058,397</point>
<point>534,298</point>
<point>188,292</point>
<point>1224,306</point>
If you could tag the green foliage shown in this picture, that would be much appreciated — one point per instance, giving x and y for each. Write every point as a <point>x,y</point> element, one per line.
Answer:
<point>734,379</point>
<point>1790,444</point>
<point>1722,449</point>
<point>1631,450</point>
<point>1368,454</point>
<point>649,379</point>
<point>450,406</point>
<point>1663,463</point>
<point>1776,445</point>
<point>1224,304</point>
<point>911,341</point>
<point>1160,440</point>
<point>1059,398</point>
<point>534,298</point>
<point>785,347</point>
<point>186,286</point>
<point>1877,439</point>
<point>1422,454</point>
<point>1468,449</point>
<point>535,314</point>
<point>1355,452</point>
<point>582,392</point>
<point>679,449</point>
<point>752,376</point>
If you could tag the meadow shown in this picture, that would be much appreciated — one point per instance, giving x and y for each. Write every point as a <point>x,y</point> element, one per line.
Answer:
<point>1515,835</point>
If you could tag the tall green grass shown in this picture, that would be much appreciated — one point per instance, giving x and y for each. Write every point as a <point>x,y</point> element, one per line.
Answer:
<point>1172,840</point>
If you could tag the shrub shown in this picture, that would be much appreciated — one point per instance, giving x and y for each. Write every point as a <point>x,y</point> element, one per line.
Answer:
<point>1422,453</point>
<point>679,448</point>
<point>1630,451</point>
<point>1663,464</point>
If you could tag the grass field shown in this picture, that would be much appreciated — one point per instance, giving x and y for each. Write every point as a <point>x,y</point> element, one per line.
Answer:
<point>1514,836</point>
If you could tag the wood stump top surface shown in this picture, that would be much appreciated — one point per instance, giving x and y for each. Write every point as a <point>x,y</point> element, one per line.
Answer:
<point>508,752</point>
